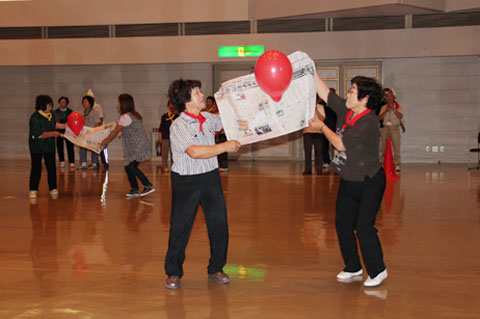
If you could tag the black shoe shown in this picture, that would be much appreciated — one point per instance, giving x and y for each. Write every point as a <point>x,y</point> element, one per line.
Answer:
<point>307,173</point>
<point>133,194</point>
<point>147,190</point>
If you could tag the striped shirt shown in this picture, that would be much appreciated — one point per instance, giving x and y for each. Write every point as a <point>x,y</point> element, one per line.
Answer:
<point>185,132</point>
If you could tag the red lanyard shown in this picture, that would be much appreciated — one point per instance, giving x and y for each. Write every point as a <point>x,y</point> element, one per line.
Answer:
<point>352,121</point>
<point>198,117</point>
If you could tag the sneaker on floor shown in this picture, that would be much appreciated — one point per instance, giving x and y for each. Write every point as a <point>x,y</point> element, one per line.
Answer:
<point>397,169</point>
<point>93,166</point>
<point>373,282</point>
<point>325,165</point>
<point>62,164</point>
<point>82,167</point>
<point>347,274</point>
<point>132,194</point>
<point>172,282</point>
<point>147,190</point>
<point>72,165</point>
<point>32,194</point>
<point>219,277</point>
<point>54,193</point>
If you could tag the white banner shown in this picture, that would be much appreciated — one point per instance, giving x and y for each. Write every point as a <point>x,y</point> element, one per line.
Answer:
<point>90,137</point>
<point>250,115</point>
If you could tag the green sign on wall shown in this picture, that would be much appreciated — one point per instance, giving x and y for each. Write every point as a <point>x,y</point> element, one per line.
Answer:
<point>240,51</point>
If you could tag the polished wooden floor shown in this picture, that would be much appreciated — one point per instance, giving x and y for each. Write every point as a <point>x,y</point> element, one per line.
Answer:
<point>91,253</point>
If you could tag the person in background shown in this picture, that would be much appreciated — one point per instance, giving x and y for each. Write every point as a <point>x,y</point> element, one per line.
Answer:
<point>330,121</point>
<point>61,115</point>
<point>91,119</point>
<point>196,181</point>
<point>136,147</point>
<point>220,136</point>
<point>99,109</point>
<point>391,113</point>
<point>164,134</point>
<point>362,183</point>
<point>41,142</point>
<point>312,136</point>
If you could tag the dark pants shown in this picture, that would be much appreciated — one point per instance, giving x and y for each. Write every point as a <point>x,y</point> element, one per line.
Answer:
<point>36,170</point>
<point>325,149</point>
<point>188,192</point>
<point>314,139</point>
<point>70,152</point>
<point>357,207</point>
<point>133,172</point>
<point>222,158</point>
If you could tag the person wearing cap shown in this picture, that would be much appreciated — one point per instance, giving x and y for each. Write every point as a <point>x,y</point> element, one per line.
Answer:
<point>391,113</point>
<point>362,183</point>
<point>196,181</point>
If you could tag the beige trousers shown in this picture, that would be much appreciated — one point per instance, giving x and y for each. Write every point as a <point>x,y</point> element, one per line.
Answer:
<point>392,132</point>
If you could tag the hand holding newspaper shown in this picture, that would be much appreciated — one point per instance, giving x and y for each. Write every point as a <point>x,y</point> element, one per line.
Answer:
<point>90,137</point>
<point>250,115</point>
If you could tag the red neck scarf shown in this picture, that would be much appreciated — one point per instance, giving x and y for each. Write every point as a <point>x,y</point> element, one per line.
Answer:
<point>353,120</point>
<point>198,117</point>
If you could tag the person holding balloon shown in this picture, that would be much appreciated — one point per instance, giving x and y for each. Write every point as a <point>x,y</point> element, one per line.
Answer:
<point>61,115</point>
<point>91,117</point>
<point>362,184</point>
<point>41,142</point>
<point>136,147</point>
<point>196,181</point>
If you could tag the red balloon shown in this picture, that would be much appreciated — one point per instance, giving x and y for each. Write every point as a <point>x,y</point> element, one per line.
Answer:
<point>75,122</point>
<point>273,72</point>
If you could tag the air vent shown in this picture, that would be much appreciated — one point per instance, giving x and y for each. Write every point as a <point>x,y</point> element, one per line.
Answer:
<point>299,25</point>
<point>21,33</point>
<point>234,27</point>
<point>91,31</point>
<point>446,20</point>
<point>146,30</point>
<point>368,23</point>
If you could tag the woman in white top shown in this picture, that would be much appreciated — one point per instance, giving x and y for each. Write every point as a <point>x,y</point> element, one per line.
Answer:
<point>136,147</point>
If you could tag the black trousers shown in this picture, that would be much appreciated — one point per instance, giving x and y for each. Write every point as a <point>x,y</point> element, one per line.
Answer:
<point>70,151</point>
<point>314,139</point>
<point>325,149</point>
<point>133,172</point>
<point>357,207</point>
<point>188,192</point>
<point>222,158</point>
<point>36,170</point>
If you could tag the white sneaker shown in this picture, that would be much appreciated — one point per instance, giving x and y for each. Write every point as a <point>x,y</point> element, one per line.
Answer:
<point>83,166</point>
<point>372,282</point>
<point>54,193</point>
<point>62,164</point>
<point>32,194</point>
<point>347,275</point>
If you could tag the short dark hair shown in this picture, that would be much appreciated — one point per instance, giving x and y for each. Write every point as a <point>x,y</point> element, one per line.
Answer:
<point>369,87</point>
<point>64,98</point>
<point>211,98</point>
<point>41,102</point>
<point>180,91</point>
<point>127,105</point>
<point>90,100</point>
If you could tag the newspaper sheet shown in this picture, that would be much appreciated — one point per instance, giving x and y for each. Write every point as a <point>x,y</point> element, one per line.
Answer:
<point>249,115</point>
<point>90,137</point>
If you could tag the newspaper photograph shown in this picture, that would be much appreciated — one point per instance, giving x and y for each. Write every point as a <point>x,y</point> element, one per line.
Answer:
<point>90,137</point>
<point>250,115</point>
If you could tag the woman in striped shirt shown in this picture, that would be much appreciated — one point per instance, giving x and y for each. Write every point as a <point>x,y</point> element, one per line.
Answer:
<point>196,181</point>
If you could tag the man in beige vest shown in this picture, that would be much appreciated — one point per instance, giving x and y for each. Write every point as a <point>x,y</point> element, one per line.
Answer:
<point>391,114</point>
